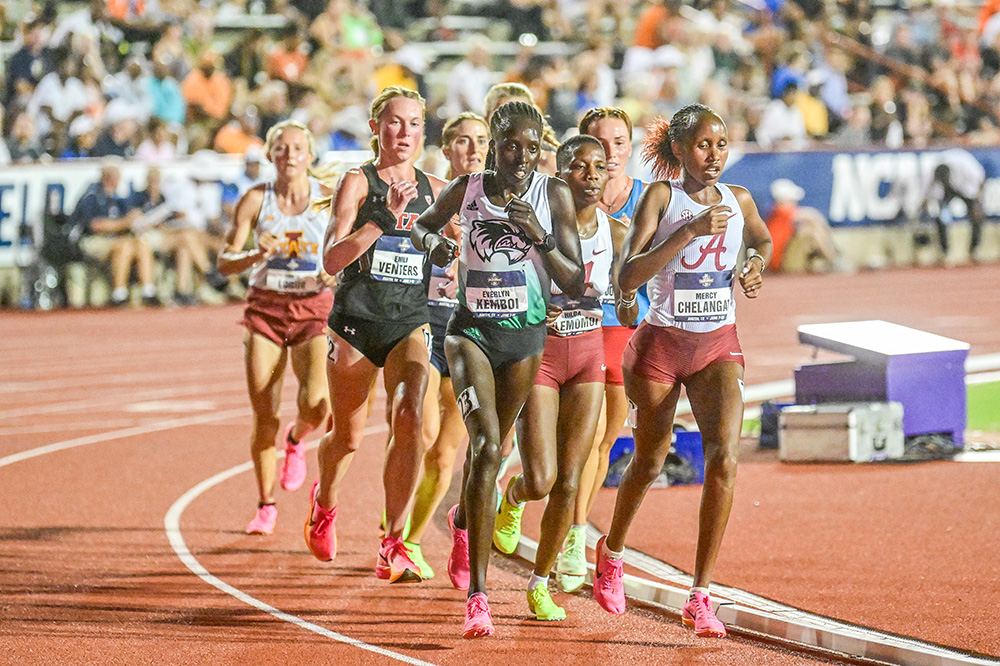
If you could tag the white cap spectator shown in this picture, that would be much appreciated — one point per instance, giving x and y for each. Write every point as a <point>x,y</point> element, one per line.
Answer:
<point>784,189</point>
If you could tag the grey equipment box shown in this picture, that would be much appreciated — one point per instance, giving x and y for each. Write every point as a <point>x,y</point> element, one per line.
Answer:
<point>834,432</point>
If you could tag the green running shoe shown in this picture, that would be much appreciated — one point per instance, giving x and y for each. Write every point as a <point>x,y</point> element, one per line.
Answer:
<point>417,557</point>
<point>540,603</point>
<point>507,526</point>
<point>571,567</point>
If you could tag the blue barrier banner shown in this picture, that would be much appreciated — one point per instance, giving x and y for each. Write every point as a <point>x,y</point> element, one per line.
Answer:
<point>856,188</point>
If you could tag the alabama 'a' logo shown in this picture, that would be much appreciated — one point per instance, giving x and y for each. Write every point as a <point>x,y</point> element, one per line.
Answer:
<point>492,237</point>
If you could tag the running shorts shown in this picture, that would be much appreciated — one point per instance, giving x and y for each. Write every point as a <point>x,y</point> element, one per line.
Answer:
<point>615,339</point>
<point>286,320</point>
<point>668,355</point>
<point>439,316</point>
<point>576,359</point>
<point>375,339</point>
<point>503,346</point>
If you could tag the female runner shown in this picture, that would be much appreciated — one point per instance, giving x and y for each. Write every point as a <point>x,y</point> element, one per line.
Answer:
<point>287,305</point>
<point>556,427</point>
<point>613,128</point>
<point>518,234</point>
<point>464,141</point>
<point>685,240</point>
<point>379,320</point>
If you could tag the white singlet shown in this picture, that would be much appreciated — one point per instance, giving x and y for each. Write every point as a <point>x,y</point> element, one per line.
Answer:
<point>501,275</point>
<point>694,291</point>
<point>294,268</point>
<point>586,313</point>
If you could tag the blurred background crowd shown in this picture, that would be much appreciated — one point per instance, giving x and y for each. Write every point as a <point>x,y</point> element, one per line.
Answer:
<point>150,82</point>
<point>150,79</point>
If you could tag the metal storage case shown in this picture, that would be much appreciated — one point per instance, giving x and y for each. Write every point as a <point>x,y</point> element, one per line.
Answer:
<point>835,432</point>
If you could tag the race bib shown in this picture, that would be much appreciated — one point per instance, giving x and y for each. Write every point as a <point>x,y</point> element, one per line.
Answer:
<point>292,276</point>
<point>702,296</point>
<point>608,297</point>
<point>396,260</point>
<point>577,316</point>
<point>437,289</point>
<point>496,294</point>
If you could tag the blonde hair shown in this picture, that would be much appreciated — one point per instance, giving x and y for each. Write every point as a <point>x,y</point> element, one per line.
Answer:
<point>382,101</point>
<point>513,89</point>
<point>272,136</point>
<point>501,90</point>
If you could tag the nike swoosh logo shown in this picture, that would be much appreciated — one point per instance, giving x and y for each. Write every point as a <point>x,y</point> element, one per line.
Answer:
<point>735,354</point>
<point>597,252</point>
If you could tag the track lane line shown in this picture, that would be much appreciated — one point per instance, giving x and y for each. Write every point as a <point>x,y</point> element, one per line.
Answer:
<point>171,524</point>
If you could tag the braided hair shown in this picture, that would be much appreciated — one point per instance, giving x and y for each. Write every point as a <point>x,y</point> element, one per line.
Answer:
<point>501,121</point>
<point>660,135</point>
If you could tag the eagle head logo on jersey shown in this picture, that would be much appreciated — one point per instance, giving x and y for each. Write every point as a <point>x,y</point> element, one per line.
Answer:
<point>492,237</point>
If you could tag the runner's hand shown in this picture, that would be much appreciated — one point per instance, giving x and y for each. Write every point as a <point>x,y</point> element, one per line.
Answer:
<point>376,210</point>
<point>441,250</point>
<point>711,221</point>
<point>522,215</point>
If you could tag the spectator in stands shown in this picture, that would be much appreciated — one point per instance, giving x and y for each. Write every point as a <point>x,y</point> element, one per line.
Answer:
<point>166,99</point>
<point>160,145</point>
<point>59,97</point>
<point>240,134</point>
<point>107,237</point>
<point>23,144</point>
<point>28,64</point>
<point>207,93</point>
<point>815,115</point>
<point>118,139</point>
<point>288,59</point>
<point>130,86</point>
<point>800,235</point>
<point>886,125</point>
<point>781,124</point>
<point>83,133</point>
<point>273,104</point>
<point>958,176</point>
<point>88,23</point>
<point>854,133</point>
<point>169,51</point>
<point>471,78</point>
<point>245,62</point>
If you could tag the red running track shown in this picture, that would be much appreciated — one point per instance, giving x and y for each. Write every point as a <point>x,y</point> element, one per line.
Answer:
<point>145,422</point>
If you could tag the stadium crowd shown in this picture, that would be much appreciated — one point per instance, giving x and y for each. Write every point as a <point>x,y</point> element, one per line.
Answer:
<point>157,78</point>
<point>154,80</point>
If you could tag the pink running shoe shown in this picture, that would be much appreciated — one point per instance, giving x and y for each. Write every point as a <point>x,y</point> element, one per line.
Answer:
<point>394,563</point>
<point>698,615</point>
<point>263,522</point>
<point>478,621</point>
<point>609,589</point>
<point>321,529</point>
<point>293,471</point>
<point>458,560</point>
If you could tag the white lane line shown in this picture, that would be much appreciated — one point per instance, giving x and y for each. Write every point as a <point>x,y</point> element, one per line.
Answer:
<point>172,521</point>
<point>125,432</point>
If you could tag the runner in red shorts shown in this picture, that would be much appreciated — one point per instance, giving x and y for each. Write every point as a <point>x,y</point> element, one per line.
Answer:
<point>286,310</point>
<point>556,427</point>
<point>685,240</point>
<point>613,128</point>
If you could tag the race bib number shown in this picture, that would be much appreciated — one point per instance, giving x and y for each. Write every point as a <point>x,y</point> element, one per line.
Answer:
<point>396,260</point>
<point>496,294</point>
<point>292,276</point>
<point>437,290</point>
<point>577,316</point>
<point>702,296</point>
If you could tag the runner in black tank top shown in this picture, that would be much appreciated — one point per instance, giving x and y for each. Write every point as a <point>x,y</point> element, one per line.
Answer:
<point>379,319</point>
